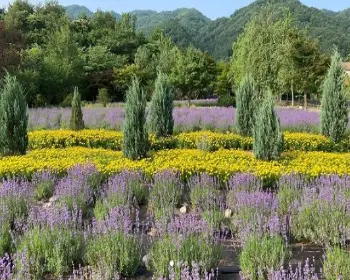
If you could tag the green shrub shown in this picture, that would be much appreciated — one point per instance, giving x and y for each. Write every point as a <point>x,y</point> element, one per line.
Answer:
<point>67,102</point>
<point>103,97</point>
<point>320,222</point>
<point>135,140</point>
<point>44,190</point>
<point>189,250</point>
<point>114,252</point>
<point>14,208</point>
<point>334,103</point>
<point>13,118</point>
<point>165,195</point>
<point>246,106</point>
<point>50,250</point>
<point>261,254</point>
<point>5,238</point>
<point>287,196</point>
<point>76,119</point>
<point>161,122</point>
<point>226,100</point>
<point>268,137</point>
<point>337,264</point>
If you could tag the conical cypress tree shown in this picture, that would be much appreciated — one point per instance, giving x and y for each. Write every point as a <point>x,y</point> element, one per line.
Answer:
<point>161,122</point>
<point>334,111</point>
<point>268,137</point>
<point>13,118</point>
<point>246,106</point>
<point>135,140</point>
<point>76,119</point>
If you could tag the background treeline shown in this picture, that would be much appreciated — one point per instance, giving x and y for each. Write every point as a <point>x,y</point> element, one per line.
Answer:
<point>52,49</point>
<point>189,26</point>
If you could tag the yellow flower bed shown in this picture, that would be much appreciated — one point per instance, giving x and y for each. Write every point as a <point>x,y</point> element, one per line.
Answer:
<point>222,163</point>
<point>205,140</point>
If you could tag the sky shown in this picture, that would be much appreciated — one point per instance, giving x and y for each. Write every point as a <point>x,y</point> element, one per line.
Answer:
<point>211,8</point>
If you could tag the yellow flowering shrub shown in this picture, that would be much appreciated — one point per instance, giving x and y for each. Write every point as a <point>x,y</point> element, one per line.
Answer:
<point>222,163</point>
<point>204,140</point>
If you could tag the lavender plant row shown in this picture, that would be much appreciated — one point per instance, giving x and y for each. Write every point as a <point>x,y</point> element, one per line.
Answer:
<point>91,227</point>
<point>186,119</point>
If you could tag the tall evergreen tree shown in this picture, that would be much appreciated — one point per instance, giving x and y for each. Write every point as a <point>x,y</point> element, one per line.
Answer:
<point>334,103</point>
<point>268,137</point>
<point>246,106</point>
<point>161,122</point>
<point>13,118</point>
<point>76,119</point>
<point>135,140</point>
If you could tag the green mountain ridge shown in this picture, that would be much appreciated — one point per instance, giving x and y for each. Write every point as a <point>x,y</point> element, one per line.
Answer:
<point>190,26</point>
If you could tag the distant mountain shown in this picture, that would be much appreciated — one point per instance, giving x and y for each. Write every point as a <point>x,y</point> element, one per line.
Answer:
<point>74,11</point>
<point>189,26</point>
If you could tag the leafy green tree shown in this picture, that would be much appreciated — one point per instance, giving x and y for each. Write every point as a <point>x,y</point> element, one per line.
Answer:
<point>17,16</point>
<point>161,122</point>
<point>303,65</point>
<point>103,97</point>
<point>246,102</point>
<point>135,140</point>
<point>11,43</point>
<point>258,51</point>
<point>334,104</point>
<point>35,22</point>
<point>76,119</point>
<point>50,72</point>
<point>268,137</point>
<point>222,84</point>
<point>99,63</point>
<point>62,66</point>
<point>193,73</point>
<point>13,118</point>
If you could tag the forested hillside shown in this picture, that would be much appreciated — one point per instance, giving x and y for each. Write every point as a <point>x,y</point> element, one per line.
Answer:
<point>189,26</point>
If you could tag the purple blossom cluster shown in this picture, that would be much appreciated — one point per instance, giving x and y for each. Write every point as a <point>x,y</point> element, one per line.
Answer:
<point>119,219</point>
<point>6,267</point>
<point>186,119</point>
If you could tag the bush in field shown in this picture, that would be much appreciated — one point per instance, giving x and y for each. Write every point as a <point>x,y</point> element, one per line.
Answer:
<point>114,252</point>
<point>5,238</point>
<point>268,137</point>
<point>135,140</point>
<point>191,249</point>
<point>13,118</point>
<point>246,106</point>
<point>76,119</point>
<point>262,254</point>
<point>321,222</point>
<point>50,250</point>
<point>337,264</point>
<point>161,122</point>
<point>103,97</point>
<point>165,195</point>
<point>226,100</point>
<point>334,103</point>
<point>67,102</point>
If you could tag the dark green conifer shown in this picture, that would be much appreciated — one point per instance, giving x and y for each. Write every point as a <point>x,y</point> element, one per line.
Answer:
<point>246,106</point>
<point>13,118</point>
<point>268,137</point>
<point>334,103</point>
<point>161,122</point>
<point>135,140</point>
<point>76,119</point>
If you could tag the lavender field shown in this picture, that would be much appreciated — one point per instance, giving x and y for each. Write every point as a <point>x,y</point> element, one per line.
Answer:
<point>186,119</point>
<point>104,228</point>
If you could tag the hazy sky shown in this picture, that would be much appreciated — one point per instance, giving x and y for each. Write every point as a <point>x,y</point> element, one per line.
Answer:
<point>210,8</point>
